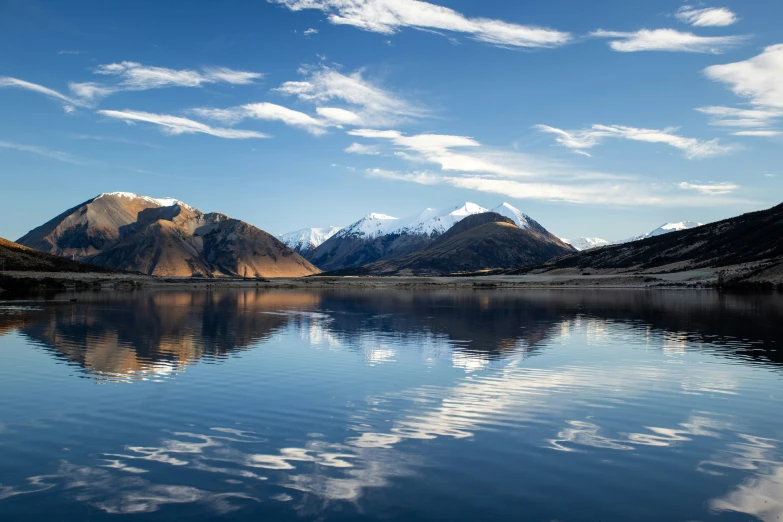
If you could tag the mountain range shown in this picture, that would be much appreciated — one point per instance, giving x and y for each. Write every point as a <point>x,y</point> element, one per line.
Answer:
<point>750,245</point>
<point>479,241</point>
<point>586,243</point>
<point>164,237</point>
<point>378,237</point>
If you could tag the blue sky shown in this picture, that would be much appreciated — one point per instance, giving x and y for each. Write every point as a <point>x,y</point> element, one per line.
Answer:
<point>605,118</point>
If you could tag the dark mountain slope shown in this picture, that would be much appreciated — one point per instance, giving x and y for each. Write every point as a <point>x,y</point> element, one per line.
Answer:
<point>752,237</point>
<point>15,257</point>
<point>477,242</point>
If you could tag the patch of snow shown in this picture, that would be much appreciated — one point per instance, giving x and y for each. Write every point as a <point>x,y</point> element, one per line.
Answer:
<point>161,202</point>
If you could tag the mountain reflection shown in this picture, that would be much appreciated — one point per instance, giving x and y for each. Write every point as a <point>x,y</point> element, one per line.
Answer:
<point>115,334</point>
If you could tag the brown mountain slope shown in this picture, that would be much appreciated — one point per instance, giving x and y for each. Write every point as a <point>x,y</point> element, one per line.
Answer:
<point>756,237</point>
<point>165,238</point>
<point>478,242</point>
<point>15,257</point>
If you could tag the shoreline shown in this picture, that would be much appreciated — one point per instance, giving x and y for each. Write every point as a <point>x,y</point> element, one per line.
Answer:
<point>21,282</point>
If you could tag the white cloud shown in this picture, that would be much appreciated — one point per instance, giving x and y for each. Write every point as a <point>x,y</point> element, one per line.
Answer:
<point>358,148</point>
<point>710,189</point>
<point>707,17</point>
<point>759,79</point>
<point>41,151</point>
<point>366,102</point>
<point>272,112</point>
<point>667,40</point>
<point>178,125</point>
<point>21,84</point>
<point>760,133</point>
<point>465,163</point>
<point>135,76</point>
<point>389,16</point>
<point>310,31</point>
<point>733,117</point>
<point>340,116</point>
<point>268,112</point>
<point>580,140</point>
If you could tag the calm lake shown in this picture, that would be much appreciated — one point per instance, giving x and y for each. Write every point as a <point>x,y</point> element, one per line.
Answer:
<point>396,405</point>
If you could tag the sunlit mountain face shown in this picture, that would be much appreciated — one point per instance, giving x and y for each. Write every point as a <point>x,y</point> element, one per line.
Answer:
<point>349,404</point>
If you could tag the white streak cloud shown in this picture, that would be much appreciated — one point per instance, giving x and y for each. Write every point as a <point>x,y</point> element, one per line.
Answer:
<point>579,140</point>
<point>667,40</point>
<point>177,125</point>
<point>268,112</point>
<point>358,148</point>
<point>707,17</point>
<point>758,133</point>
<point>41,151</point>
<point>6,81</point>
<point>390,16</point>
<point>710,189</point>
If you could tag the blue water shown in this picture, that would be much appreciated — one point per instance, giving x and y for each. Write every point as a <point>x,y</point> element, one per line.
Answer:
<point>390,405</point>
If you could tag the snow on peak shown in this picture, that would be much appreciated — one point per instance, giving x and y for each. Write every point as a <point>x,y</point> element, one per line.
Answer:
<point>673,227</point>
<point>307,238</point>
<point>663,229</point>
<point>586,243</point>
<point>514,214</point>
<point>370,226</point>
<point>435,221</point>
<point>161,202</point>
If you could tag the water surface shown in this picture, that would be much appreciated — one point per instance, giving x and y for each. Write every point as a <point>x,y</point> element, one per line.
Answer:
<point>457,405</point>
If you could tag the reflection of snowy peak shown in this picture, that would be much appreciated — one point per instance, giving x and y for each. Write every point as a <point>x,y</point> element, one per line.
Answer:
<point>586,243</point>
<point>307,239</point>
<point>663,229</point>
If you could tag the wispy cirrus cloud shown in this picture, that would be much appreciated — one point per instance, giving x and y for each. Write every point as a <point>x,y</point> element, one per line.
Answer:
<point>133,76</point>
<point>358,148</point>
<point>43,151</point>
<point>175,125</point>
<point>463,162</point>
<point>364,101</point>
<point>581,140</point>
<point>706,17</point>
<point>390,16</point>
<point>669,40</point>
<point>269,112</point>
<point>758,133</point>
<point>16,83</point>
<point>710,189</point>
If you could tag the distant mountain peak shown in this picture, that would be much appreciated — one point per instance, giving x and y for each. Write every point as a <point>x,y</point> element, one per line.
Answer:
<point>586,243</point>
<point>307,239</point>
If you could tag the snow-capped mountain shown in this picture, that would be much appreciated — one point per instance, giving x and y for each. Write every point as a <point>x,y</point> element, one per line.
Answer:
<point>663,229</point>
<point>305,240</point>
<point>514,214</point>
<point>432,221</point>
<point>586,243</point>
<point>370,226</point>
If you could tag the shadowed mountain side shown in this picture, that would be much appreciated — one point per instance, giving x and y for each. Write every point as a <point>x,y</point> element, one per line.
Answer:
<point>480,241</point>
<point>338,252</point>
<point>756,237</point>
<point>15,257</point>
